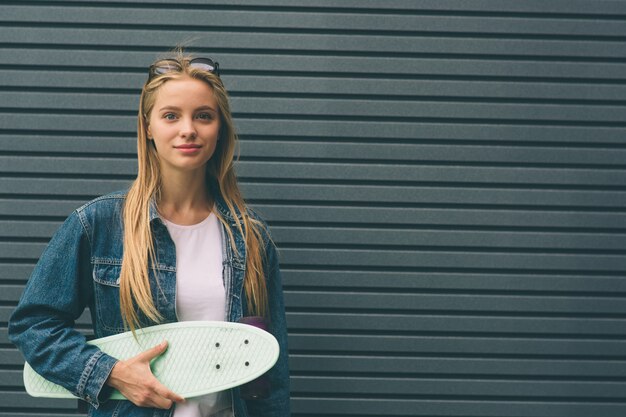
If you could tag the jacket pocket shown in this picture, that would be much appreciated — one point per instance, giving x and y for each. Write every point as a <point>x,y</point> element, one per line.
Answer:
<point>107,297</point>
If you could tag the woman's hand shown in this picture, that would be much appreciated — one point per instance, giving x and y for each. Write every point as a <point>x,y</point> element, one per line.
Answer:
<point>134,379</point>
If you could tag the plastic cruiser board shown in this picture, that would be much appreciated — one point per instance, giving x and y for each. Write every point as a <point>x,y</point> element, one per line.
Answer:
<point>202,357</point>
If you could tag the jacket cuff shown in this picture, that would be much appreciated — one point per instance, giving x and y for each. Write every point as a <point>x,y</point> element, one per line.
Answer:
<point>91,386</point>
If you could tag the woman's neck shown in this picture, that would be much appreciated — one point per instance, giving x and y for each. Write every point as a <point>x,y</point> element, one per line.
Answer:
<point>184,199</point>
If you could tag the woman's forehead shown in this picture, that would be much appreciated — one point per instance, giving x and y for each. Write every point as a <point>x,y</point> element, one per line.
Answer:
<point>185,92</point>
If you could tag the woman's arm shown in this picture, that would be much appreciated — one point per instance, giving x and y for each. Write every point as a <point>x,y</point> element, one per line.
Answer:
<point>42,325</point>
<point>277,404</point>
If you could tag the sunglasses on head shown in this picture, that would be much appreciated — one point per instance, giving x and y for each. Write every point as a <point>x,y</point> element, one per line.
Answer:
<point>171,65</point>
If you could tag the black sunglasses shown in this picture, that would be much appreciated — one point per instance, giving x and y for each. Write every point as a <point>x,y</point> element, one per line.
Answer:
<point>171,65</point>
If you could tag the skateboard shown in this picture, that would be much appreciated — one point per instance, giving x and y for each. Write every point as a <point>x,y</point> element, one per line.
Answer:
<point>202,357</point>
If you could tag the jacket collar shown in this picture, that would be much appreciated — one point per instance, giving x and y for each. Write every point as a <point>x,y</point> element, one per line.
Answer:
<point>220,204</point>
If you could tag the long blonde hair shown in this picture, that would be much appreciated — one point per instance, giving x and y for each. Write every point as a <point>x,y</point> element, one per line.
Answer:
<point>139,253</point>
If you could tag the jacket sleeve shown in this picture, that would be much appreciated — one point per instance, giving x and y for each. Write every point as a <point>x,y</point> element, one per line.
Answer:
<point>42,325</point>
<point>277,404</point>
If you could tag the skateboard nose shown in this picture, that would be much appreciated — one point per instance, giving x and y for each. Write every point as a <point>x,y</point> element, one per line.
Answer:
<point>260,387</point>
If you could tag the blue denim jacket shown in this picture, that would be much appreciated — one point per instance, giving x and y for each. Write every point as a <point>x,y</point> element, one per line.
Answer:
<point>80,268</point>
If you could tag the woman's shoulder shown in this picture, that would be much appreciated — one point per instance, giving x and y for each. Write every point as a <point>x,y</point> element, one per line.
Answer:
<point>105,205</point>
<point>262,224</point>
<point>255,215</point>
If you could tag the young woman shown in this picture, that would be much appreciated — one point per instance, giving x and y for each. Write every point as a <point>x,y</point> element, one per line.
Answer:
<point>180,244</point>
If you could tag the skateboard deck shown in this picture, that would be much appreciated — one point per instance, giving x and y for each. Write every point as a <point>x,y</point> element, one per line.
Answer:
<point>202,357</point>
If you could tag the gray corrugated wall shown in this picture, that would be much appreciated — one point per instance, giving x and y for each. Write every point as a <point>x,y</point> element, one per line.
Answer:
<point>445,179</point>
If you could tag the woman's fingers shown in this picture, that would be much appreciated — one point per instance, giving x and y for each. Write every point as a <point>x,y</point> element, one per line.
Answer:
<point>134,379</point>
<point>163,392</point>
<point>159,394</point>
<point>153,352</point>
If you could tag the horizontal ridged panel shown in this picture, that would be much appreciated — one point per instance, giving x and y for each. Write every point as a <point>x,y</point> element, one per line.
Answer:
<point>320,171</point>
<point>342,21</point>
<point>421,219</point>
<point>379,132</point>
<point>277,64</point>
<point>432,87</point>
<point>426,155</point>
<point>598,7</point>
<point>389,195</point>
<point>356,237</point>
<point>510,282</point>
<point>509,346</point>
<point>460,325</point>
<point>275,107</point>
<point>355,44</point>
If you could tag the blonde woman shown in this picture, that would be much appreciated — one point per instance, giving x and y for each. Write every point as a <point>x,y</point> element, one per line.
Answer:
<point>180,244</point>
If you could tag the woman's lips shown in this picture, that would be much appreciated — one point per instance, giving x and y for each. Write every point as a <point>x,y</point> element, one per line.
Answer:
<point>188,148</point>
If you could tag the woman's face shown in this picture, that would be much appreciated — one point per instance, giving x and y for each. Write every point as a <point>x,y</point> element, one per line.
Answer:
<point>184,124</point>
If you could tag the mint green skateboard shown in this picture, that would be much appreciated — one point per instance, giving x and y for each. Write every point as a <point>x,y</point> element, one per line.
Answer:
<point>202,357</point>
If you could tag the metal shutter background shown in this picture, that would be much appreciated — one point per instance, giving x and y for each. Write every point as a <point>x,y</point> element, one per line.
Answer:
<point>445,179</point>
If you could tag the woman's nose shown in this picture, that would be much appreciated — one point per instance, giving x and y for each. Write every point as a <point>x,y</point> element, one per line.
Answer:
<point>187,129</point>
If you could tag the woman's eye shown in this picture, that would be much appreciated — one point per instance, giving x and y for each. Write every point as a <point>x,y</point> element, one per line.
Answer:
<point>169,116</point>
<point>204,116</point>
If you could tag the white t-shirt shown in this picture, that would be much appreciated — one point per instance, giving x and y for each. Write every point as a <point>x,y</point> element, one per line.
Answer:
<point>200,293</point>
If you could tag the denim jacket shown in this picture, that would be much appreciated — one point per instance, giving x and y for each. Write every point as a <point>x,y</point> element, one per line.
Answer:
<point>80,268</point>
